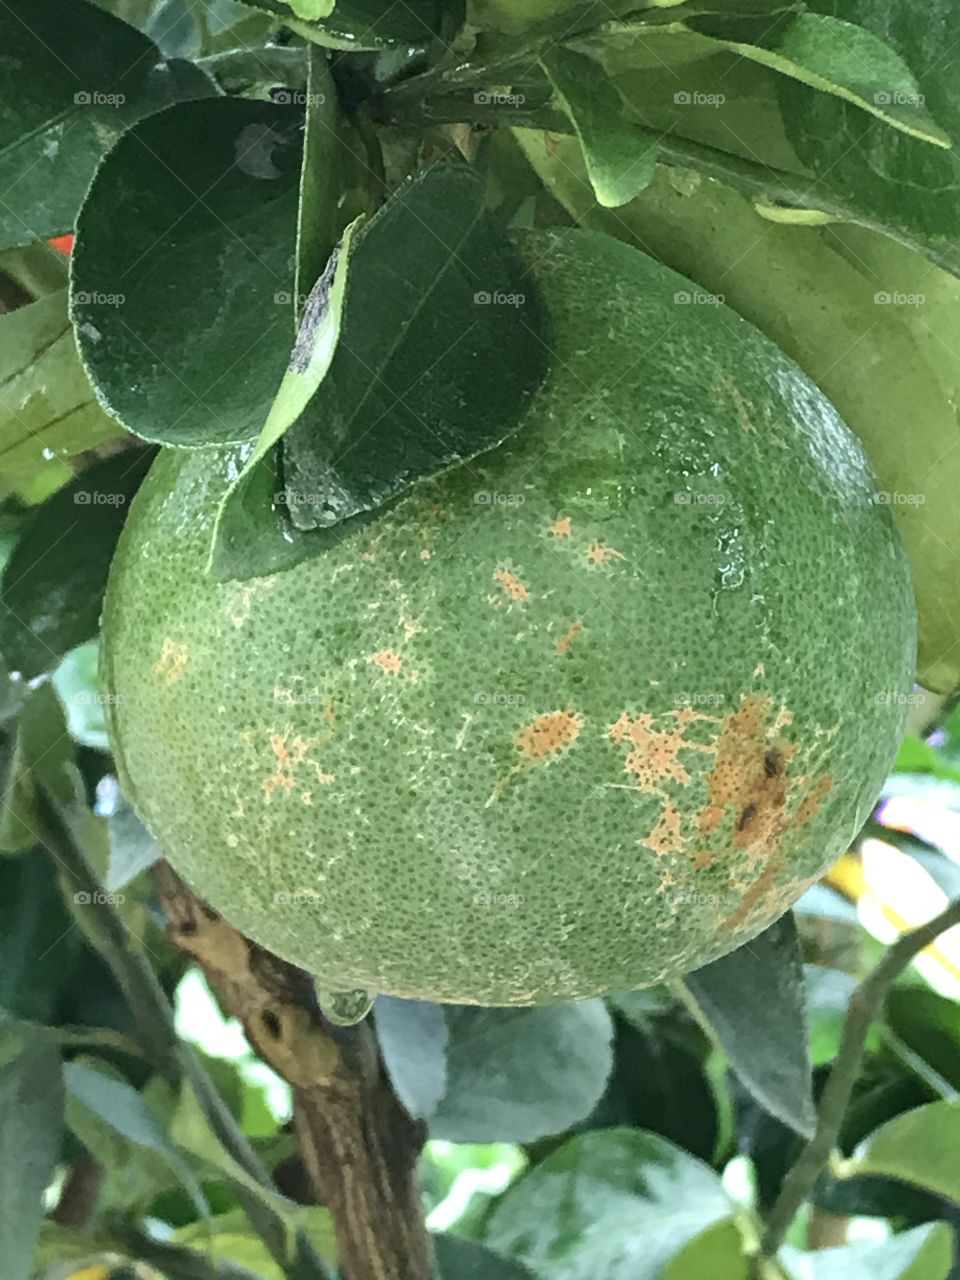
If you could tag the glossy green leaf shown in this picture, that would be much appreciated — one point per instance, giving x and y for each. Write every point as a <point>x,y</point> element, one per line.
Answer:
<point>621,157</point>
<point>53,584</point>
<point>74,79</point>
<point>515,1075</point>
<point>920,1147</point>
<point>896,181</point>
<point>925,1253</point>
<point>255,498</point>
<point>319,223</point>
<point>833,56</point>
<point>443,341</point>
<point>771,1056</point>
<point>458,1259</point>
<point>31,1106</point>
<point>615,1205</point>
<point>175,241</point>
<point>48,412</point>
<point>413,1039</point>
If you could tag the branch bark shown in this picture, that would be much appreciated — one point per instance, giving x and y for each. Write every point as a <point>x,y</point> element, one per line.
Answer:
<point>359,1146</point>
<point>866,1004</point>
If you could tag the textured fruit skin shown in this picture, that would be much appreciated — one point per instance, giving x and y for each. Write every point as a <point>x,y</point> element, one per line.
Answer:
<point>584,713</point>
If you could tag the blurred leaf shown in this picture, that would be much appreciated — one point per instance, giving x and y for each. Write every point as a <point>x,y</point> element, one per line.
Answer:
<point>53,584</point>
<point>38,944</point>
<point>47,409</point>
<point>930,1025</point>
<point>82,77</point>
<point>771,1057</point>
<point>365,24</point>
<point>31,1107</point>
<point>118,1105</point>
<point>413,1040</point>
<point>920,1147</point>
<point>612,1206</point>
<point>229,1237</point>
<point>516,1075</point>
<point>38,268</point>
<point>926,1253</point>
<point>717,1253</point>
<point>174,241</point>
<point>458,1259</point>
<point>442,345</point>
<point>132,848</point>
<point>76,681</point>
<point>828,996</point>
<point>917,756</point>
<point>43,753</point>
<point>621,156</point>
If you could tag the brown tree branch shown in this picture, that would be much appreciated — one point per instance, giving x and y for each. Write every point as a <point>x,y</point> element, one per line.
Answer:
<point>359,1146</point>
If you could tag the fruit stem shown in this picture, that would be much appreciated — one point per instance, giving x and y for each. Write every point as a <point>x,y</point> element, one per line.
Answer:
<point>865,1006</point>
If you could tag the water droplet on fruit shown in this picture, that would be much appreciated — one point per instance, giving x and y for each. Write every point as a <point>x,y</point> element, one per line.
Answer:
<point>345,1008</point>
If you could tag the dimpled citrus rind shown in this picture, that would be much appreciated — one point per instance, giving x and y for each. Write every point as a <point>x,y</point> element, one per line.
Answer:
<point>584,713</point>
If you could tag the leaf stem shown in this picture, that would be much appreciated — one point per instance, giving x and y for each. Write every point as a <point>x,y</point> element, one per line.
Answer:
<point>866,1004</point>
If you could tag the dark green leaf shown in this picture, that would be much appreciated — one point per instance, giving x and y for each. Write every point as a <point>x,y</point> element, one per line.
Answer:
<point>515,1075</point>
<point>919,1147</point>
<point>621,157</point>
<point>31,1105</point>
<point>413,1043</point>
<point>771,1056</point>
<point>319,221</point>
<point>929,1024</point>
<point>364,24</point>
<point>612,1206</point>
<point>458,1259</point>
<point>926,1253</point>
<point>53,583</point>
<point>175,241</point>
<point>896,181</point>
<point>47,409</point>
<point>38,944</point>
<point>833,56</point>
<point>443,340</point>
<point>74,79</point>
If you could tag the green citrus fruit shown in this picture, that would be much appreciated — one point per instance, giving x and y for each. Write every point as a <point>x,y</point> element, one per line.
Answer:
<point>871,322</point>
<point>586,712</point>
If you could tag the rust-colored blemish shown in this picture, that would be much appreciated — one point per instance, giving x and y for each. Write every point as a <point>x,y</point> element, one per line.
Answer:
<point>172,661</point>
<point>561,528</point>
<point>703,859</point>
<point>512,585</point>
<point>387,660</point>
<point>653,757</point>
<point>666,836</point>
<point>548,734</point>
<point>742,405</point>
<point>598,553</point>
<point>290,753</point>
<point>811,803</point>
<point>565,641</point>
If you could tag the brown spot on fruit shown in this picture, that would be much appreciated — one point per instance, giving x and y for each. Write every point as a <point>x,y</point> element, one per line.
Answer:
<point>562,528</point>
<point>665,836</point>
<point>599,554</point>
<point>548,734</point>
<point>750,776</point>
<point>812,802</point>
<point>387,660</point>
<point>511,584</point>
<point>565,641</point>
<point>653,757</point>
<point>172,661</point>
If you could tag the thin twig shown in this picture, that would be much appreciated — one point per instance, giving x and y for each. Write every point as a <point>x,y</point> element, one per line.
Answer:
<point>359,1146</point>
<point>866,1004</point>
